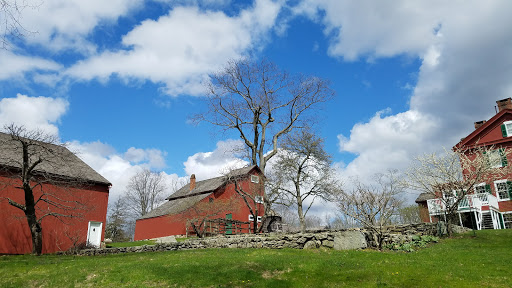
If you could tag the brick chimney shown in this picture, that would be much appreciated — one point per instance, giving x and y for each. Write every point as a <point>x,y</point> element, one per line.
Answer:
<point>479,124</point>
<point>504,104</point>
<point>192,182</point>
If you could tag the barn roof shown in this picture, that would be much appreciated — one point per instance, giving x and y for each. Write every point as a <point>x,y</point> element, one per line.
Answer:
<point>424,197</point>
<point>185,198</point>
<point>57,160</point>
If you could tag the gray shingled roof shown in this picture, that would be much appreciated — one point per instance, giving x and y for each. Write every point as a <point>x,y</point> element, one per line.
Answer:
<point>58,160</point>
<point>185,198</point>
<point>424,197</point>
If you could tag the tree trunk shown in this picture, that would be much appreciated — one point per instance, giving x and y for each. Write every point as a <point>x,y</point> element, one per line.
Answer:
<point>302,219</point>
<point>36,232</point>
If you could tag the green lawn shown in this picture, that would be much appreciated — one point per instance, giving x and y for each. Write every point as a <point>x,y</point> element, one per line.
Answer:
<point>464,261</point>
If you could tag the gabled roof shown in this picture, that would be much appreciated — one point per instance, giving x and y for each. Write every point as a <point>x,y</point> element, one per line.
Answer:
<point>424,197</point>
<point>185,198</point>
<point>64,163</point>
<point>480,132</point>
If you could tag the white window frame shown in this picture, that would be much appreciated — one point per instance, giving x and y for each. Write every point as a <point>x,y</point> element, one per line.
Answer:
<point>480,185</point>
<point>258,199</point>
<point>509,131</point>
<point>258,218</point>
<point>255,179</point>
<point>251,218</point>
<point>497,191</point>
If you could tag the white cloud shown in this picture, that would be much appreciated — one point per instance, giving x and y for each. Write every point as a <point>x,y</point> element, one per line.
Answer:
<point>42,113</point>
<point>179,49</point>
<point>118,168</point>
<point>207,165</point>
<point>14,66</point>
<point>66,24</point>
<point>466,66</point>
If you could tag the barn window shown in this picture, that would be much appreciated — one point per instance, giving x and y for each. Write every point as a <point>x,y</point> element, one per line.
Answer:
<point>255,179</point>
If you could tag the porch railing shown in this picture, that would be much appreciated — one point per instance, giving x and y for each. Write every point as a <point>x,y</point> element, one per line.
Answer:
<point>469,202</point>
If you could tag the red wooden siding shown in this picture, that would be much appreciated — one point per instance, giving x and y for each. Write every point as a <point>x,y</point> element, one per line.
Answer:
<point>14,232</point>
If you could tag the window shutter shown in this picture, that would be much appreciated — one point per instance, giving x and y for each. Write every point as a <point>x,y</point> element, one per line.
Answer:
<point>488,188</point>
<point>503,156</point>
<point>509,189</point>
<point>504,130</point>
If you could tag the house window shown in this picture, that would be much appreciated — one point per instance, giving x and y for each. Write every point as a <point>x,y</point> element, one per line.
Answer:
<point>480,188</point>
<point>503,189</point>
<point>255,179</point>
<point>251,218</point>
<point>258,199</point>
<point>507,220</point>
<point>497,158</point>
<point>506,129</point>
<point>259,218</point>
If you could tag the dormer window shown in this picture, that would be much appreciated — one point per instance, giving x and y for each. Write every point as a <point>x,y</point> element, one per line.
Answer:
<point>506,129</point>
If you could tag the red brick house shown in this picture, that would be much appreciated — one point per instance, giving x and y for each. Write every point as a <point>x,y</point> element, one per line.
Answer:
<point>174,216</point>
<point>490,206</point>
<point>64,186</point>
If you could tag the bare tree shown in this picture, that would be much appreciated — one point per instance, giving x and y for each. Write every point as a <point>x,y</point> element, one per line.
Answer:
<point>262,103</point>
<point>409,214</point>
<point>31,159</point>
<point>373,206</point>
<point>11,12</point>
<point>117,221</point>
<point>451,176</point>
<point>303,173</point>
<point>144,192</point>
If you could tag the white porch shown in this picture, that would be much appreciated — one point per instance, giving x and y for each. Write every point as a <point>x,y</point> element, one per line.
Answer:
<point>472,204</point>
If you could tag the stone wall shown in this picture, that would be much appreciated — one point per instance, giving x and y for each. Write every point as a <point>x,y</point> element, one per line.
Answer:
<point>338,240</point>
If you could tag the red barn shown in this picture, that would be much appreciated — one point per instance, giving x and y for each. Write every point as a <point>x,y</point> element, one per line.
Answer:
<point>212,198</point>
<point>490,207</point>
<point>68,191</point>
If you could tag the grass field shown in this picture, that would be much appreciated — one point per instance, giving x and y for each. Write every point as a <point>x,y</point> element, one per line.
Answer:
<point>463,261</point>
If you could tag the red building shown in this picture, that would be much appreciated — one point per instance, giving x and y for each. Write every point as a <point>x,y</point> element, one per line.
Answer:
<point>71,194</point>
<point>490,206</point>
<point>212,198</point>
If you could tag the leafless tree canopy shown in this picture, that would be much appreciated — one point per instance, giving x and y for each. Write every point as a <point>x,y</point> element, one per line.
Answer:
<point>27,158</point>
<point>303,173</point>
<point>11,12</point>
<point>262,103</point>
<point>144,192</point>
<point>458,170</point>
<point>373,206</point>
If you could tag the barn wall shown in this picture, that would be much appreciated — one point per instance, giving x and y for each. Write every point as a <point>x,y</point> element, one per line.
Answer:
<point>175,224</point>
<point>15,235</point>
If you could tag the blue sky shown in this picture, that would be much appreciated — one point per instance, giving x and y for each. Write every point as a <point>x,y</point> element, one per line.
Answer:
<point>119,80</point>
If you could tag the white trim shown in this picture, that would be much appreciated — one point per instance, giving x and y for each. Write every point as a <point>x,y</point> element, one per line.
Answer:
<point>496,190</point>
<point>251,218</point>
<point>259,218</point>
<point>509,132</point>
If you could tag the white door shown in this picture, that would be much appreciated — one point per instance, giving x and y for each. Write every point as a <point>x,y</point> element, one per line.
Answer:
<point>94,234</point>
